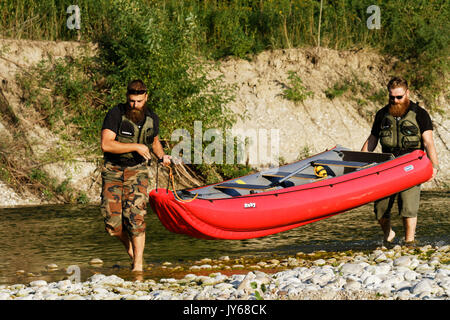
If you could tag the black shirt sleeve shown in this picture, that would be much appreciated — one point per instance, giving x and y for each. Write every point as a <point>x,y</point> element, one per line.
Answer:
<point>377,122</point>
<point>424,120</point>
<point>112,120</point>
<point>155,123</point>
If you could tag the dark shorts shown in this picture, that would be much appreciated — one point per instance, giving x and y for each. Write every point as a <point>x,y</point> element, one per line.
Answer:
<point>407,200</point>
<point>124,198</point>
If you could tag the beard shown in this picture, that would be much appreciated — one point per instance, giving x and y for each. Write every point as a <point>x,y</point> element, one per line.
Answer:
<point>135,115</point>
<point>399,109</point>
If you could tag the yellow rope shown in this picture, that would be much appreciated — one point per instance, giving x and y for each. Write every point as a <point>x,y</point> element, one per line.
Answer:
<point>175,191</point>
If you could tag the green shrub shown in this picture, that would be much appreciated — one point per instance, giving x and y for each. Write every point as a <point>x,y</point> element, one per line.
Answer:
<point>296,91</point>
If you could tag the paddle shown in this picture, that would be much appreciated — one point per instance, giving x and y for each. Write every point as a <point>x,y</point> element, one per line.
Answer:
<point>277,183</point>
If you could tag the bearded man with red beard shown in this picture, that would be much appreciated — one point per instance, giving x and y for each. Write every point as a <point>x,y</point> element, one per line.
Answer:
<point>401,127</point>
<point>129,133</point>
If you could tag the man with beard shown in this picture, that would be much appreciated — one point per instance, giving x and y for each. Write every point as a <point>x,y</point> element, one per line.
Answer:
<point>129,133</point>
<point>401,127</point>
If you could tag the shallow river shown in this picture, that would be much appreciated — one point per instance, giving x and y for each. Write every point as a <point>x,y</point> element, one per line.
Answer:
<point>34,237</point>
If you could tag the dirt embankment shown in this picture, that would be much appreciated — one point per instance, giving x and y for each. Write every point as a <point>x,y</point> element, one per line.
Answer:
<point>342,89</point>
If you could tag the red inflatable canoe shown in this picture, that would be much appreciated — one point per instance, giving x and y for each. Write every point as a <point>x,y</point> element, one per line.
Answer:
<point>289,196</point>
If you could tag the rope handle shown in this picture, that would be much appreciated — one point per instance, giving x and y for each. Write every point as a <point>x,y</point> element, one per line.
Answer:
<point>171,178</point>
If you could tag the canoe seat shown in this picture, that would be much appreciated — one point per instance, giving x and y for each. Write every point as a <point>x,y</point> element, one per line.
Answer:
<point>284,174</point>
<point>350,164</point>
<point>230,185</point>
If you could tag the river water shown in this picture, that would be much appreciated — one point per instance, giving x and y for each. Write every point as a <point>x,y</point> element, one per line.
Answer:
<point>66,235</point>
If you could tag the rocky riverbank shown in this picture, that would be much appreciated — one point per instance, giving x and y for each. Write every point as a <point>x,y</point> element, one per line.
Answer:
<point>400,272</point>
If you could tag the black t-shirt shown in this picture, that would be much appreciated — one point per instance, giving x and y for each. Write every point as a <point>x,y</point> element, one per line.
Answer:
<point>423,119</point>
<point>112,122</point>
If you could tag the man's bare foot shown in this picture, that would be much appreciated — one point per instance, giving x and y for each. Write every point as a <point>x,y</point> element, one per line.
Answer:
<point>390,237</point>
<point>137,268</point>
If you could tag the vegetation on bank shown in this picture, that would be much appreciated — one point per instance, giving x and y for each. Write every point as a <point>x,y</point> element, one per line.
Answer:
<point>415,31</point>
<point>167,42</point>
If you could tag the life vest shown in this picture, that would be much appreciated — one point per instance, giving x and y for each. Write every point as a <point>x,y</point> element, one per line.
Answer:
<point>400,135</point>
<point>129,132</point>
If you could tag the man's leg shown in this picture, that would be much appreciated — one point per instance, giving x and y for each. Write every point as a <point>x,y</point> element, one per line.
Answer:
<point>138,243</point>
<point>111,205</point>
<point>382,210</point>
<point>385,224</point>
<point>135,209</point>
<point>410,228</point>
<point>408,202</point>
<point>123,237</point>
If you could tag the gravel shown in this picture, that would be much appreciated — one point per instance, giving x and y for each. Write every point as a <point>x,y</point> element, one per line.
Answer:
<point>401,273</point>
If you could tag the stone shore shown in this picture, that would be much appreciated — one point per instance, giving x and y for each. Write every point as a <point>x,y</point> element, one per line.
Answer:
<point>398,273</point>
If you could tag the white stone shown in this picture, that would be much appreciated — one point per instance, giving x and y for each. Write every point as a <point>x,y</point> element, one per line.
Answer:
<point>5,296</point>
<point>445,248</point>
<point>322,279</point>
<point>168,280</point>
<point>404,295</point>
<point>403,261</point>
<point>424,286</point>
<point>352,285</point>
<point>410,275</point>
<point>382,268</point>
<point>319,262</point>
<point>352,268</point>
<point>100,290</point>
<point>111,280</point>
<point>190,277</point>
<point>223,286</point>
<point>96,262</point>
<point>434,261</point>
<point>97,277</point>
<point>194,268</point>
<point>424,268</point>
<point>38,283</point>
<point>380,258</point>
<point>52,267</point>
<point>373,279</point>
<point>402,285</point>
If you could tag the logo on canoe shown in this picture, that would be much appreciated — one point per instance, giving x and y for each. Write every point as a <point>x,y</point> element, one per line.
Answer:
<point>250,205</point>
<point>408,168</point>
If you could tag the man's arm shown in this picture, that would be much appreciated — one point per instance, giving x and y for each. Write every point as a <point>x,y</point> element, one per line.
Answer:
<point>428,143</point>
<point>159,151</point>
<point>370,144</point>
<point>109,144</point>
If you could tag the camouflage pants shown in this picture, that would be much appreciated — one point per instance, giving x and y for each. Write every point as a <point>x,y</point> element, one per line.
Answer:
<point>124,198</point>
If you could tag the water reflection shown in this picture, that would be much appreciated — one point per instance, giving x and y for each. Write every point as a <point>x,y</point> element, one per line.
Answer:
<point>33,237</point>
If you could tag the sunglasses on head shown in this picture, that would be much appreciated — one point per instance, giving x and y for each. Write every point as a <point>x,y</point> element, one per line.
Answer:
<point>132,91</point>
<point>396,97</point>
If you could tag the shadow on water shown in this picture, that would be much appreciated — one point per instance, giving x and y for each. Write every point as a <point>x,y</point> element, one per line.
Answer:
<point>34,237</point>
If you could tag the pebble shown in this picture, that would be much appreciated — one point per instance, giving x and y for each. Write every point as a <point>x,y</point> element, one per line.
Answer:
<point>38,283</point>
<point>402,261</point>
<point>383,274</point>
<point>96,262</point>
<point>52,267</point>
